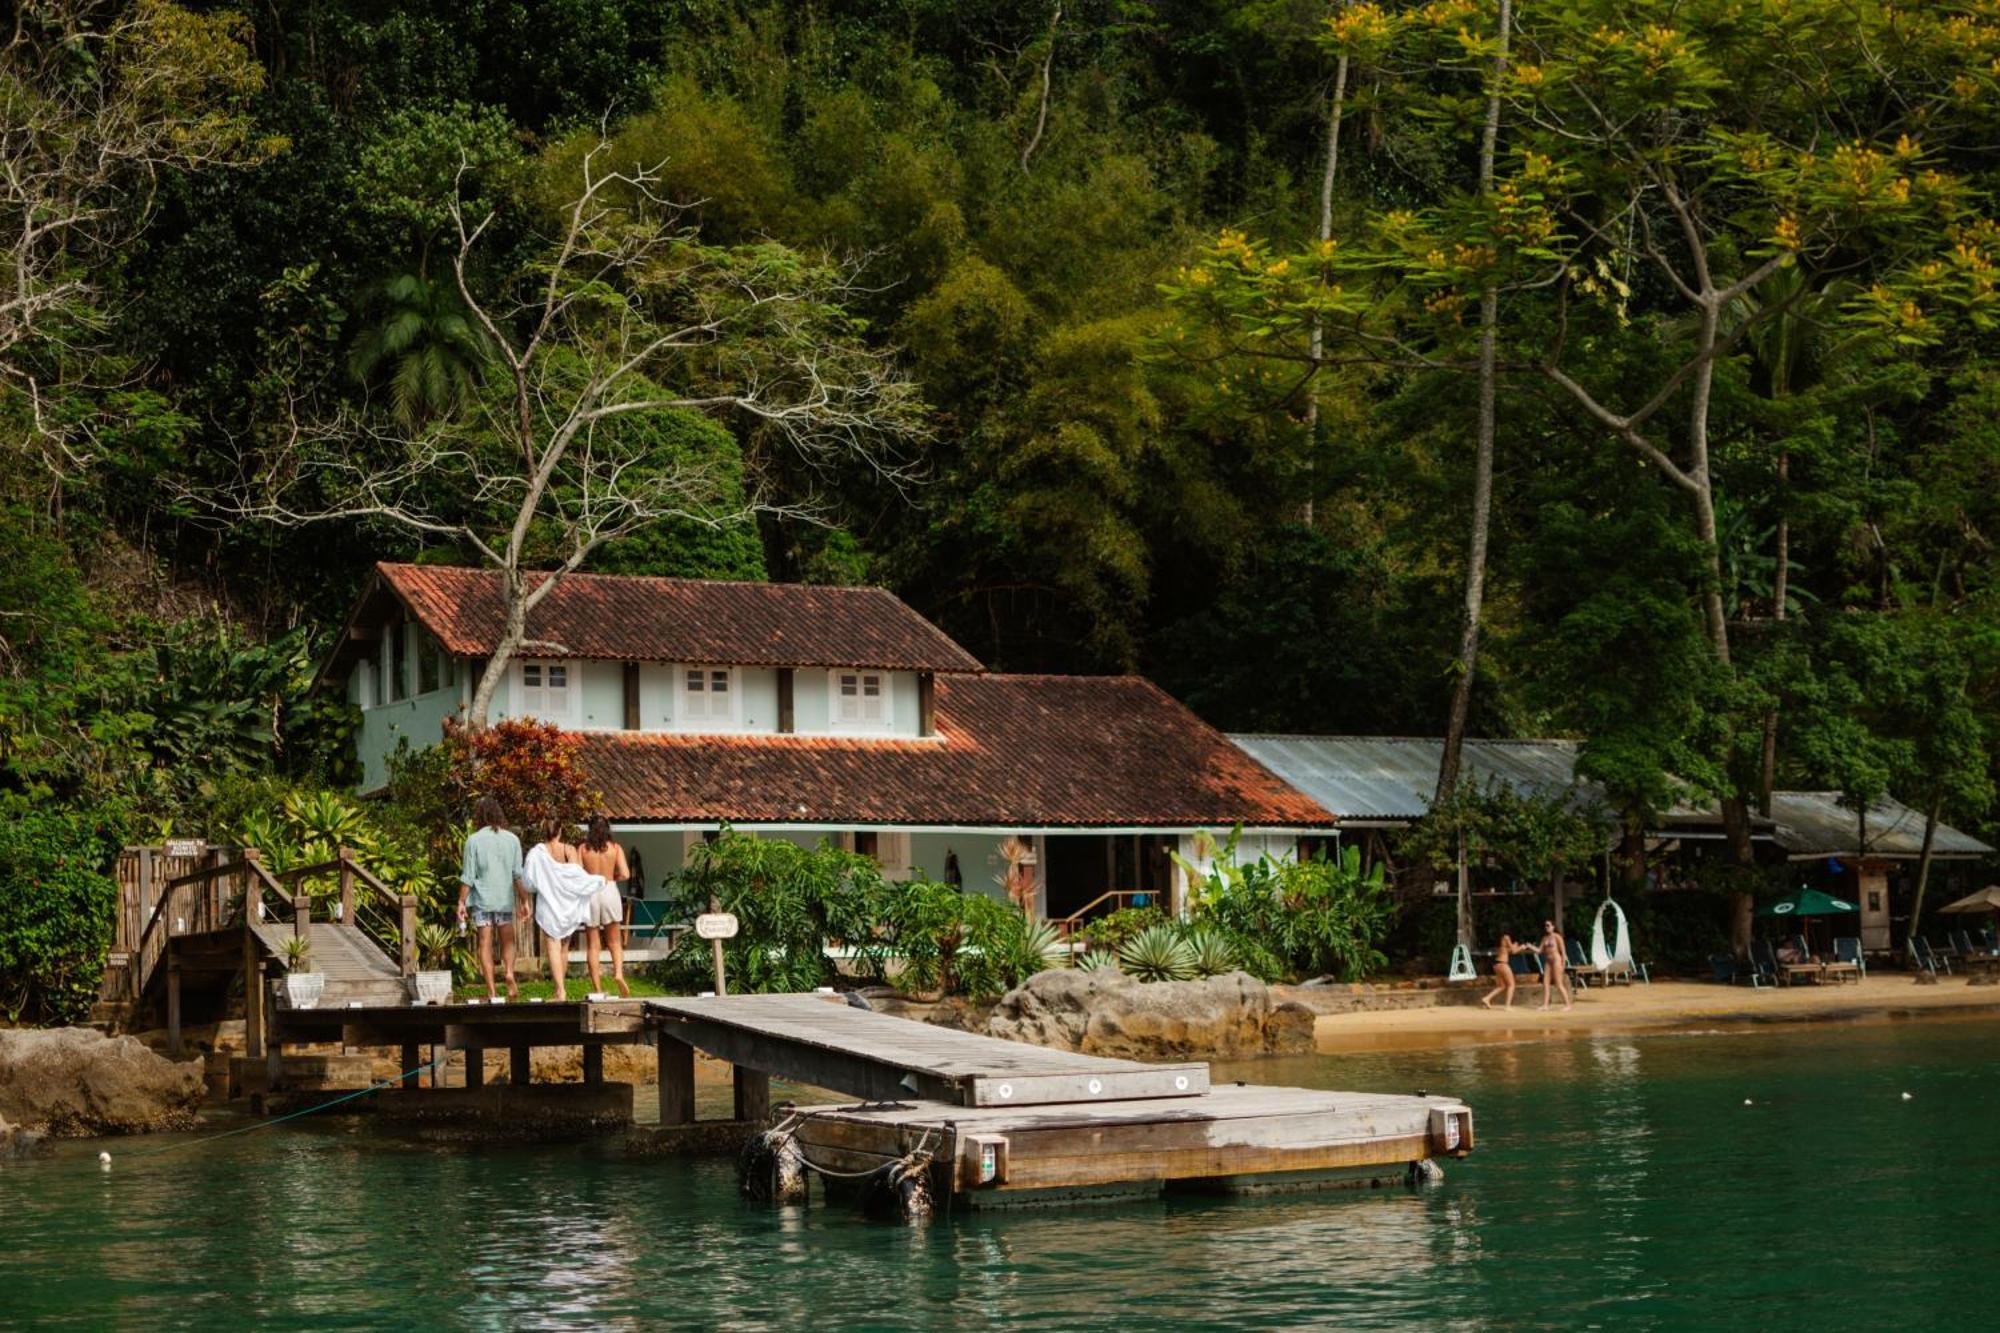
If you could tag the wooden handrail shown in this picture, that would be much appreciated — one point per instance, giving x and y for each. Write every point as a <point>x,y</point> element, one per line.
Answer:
<point>1065,925</point>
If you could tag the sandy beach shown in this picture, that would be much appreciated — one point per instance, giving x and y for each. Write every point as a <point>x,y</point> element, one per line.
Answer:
<point>1664,1005</point>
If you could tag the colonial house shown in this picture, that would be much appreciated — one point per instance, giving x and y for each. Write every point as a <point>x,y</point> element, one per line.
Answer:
<point>809,713</point>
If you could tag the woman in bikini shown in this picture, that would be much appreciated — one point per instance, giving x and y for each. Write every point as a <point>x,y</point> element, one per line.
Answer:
<point>601,855</point>
<point>1503,970</point>
<point>1553,964</point>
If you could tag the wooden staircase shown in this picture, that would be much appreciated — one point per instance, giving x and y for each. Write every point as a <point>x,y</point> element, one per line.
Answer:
<point>223,930</point>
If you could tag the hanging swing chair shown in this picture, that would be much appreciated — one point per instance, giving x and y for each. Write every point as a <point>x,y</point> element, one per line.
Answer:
<point>1614,961</point>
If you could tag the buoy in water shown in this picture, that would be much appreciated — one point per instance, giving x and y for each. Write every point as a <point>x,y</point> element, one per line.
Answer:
<point>1746,1101</point>
<point>1906,1096</point>
<point>772,1169</point>
<point>104,1160</point>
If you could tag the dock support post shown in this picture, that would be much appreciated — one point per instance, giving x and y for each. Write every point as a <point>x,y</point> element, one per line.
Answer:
<point>593,1063</point>
<point>676,1081</point>
<point>475,1067</point>
<point>173,1006</point>
<point>253,997</point>
<point>409,1064</point>
<point>520,1071</point>
<point>753,1095</point>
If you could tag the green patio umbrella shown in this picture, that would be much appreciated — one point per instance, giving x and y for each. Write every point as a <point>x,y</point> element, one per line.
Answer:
<point>1806,902</point>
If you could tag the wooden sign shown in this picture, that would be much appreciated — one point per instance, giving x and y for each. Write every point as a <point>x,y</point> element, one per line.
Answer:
<point>185,848</point>
<point>716,926</point>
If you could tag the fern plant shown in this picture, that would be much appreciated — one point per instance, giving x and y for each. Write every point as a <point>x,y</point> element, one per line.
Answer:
<point>1157,954</point>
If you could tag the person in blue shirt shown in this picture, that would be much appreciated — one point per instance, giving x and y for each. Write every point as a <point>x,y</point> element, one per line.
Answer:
<point>488,880</point>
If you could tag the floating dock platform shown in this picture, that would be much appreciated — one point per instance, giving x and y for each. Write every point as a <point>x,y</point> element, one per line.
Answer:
<point>994,1122</point>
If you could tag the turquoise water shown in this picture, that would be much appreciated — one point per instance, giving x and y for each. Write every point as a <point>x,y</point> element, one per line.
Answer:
<point>1619,1182</point>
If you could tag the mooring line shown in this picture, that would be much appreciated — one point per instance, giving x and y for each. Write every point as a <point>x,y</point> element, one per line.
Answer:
<point>105,1157</point>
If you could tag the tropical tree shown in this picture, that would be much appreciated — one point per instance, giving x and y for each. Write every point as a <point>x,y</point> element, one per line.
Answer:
<point>422,345</point>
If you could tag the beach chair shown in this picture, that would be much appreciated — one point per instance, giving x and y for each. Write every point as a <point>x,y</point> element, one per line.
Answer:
<point>1926,958</point>
<point>1726,969</point>
<point>1527,965</point>
<point>1582,968</point>
<point>1763,962</point>
<point>1807,966</point>
<point>1847,958</point>
<point>1968,947</point>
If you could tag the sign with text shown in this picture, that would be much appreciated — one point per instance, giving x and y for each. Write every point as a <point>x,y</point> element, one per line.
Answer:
<point>716,926</point>
<point>186,849</point>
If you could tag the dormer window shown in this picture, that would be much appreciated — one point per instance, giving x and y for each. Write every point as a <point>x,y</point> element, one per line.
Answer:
<point>708,696</point>
<point>546,690</point>
<point>859,700</point>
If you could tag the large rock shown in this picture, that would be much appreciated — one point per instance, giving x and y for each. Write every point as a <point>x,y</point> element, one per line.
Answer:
<point>17,1143</point>
<point>77,1082</point>
<point>1109,1013</point>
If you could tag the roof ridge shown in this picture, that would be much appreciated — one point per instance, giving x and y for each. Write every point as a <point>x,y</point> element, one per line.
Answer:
<point>648,578</point>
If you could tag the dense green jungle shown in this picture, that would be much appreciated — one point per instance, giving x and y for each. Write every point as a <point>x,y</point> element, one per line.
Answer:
<point>1611,369</point>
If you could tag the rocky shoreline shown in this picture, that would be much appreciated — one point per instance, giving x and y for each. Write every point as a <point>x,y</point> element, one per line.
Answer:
<point>79,1083</point>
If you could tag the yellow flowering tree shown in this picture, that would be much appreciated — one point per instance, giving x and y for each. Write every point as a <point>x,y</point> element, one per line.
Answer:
<point>1662,160</point>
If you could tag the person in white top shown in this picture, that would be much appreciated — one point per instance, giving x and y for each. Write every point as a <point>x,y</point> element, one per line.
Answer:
<point>564,892</point>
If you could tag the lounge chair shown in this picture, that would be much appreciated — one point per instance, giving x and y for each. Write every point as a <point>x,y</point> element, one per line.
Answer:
<point>1847,959</point>
<point>1966,946</point>
<point>1527,965</point>
<point>1806,966</point>
<point>1728,971</point>
<point>1583,969</point>
<point>1763,962</point>
<point>1926,958</point>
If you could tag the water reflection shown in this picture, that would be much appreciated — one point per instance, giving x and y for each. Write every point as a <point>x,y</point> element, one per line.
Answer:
<point>1620,1179</point>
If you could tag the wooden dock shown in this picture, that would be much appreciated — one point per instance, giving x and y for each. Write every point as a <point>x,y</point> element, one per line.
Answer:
<point>995,1122</point>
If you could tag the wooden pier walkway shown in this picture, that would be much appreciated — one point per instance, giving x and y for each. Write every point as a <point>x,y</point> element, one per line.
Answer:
<point>1002,1122</point>
<point>828,1044</point>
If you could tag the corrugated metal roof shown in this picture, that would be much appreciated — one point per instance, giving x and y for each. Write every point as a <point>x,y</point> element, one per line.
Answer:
<point>1816,823</point>
<point>1364,779</point>
<point>1392,777</point>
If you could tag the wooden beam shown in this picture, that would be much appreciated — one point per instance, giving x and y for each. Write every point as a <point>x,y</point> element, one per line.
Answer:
<point>753,1095</point>
<point>787,703</point>
<point>676,1059</point>
<point>410,1062</point>
<point>475,1068</point>
<point>520,1067</point>
<point>926,704</point>
<point>253,996</point>
<point>173,1005</point>
<point>593,1064</point>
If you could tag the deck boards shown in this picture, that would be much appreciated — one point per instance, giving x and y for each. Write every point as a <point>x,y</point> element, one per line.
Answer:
<point>1235,1133</point>
<point>822,1041</point>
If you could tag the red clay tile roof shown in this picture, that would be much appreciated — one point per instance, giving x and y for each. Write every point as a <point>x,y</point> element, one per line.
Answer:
<point>1017,751</point>
<point>629,618</point>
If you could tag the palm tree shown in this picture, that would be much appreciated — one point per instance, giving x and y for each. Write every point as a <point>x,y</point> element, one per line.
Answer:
<point>423,344</point>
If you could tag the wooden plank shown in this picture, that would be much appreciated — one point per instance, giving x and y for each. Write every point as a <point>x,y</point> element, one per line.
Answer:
<point>593,1064</point>
<point>676,1075</point>
<point>753,1094</point>
<point>815,1040</point>
<point>1232,1132</point>
<point>410,1061</point>
<point>475,1068</point>
<point>520,1067</point>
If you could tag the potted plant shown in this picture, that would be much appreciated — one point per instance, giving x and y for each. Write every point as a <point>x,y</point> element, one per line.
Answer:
<point>432,983</point>
<point>303,986</point>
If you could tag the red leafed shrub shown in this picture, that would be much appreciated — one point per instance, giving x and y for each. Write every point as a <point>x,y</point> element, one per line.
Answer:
<point>531,768</point>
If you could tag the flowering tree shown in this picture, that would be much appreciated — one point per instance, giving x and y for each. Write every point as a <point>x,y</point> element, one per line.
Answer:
<point>1664,159</point>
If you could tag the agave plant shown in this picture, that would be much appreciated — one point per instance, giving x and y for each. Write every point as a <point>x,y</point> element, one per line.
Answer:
<point>1098,960</point>
<point>1213,954</point>
<point>434,944</point>
<point>1041,948</point>
<point>1157,954</point>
